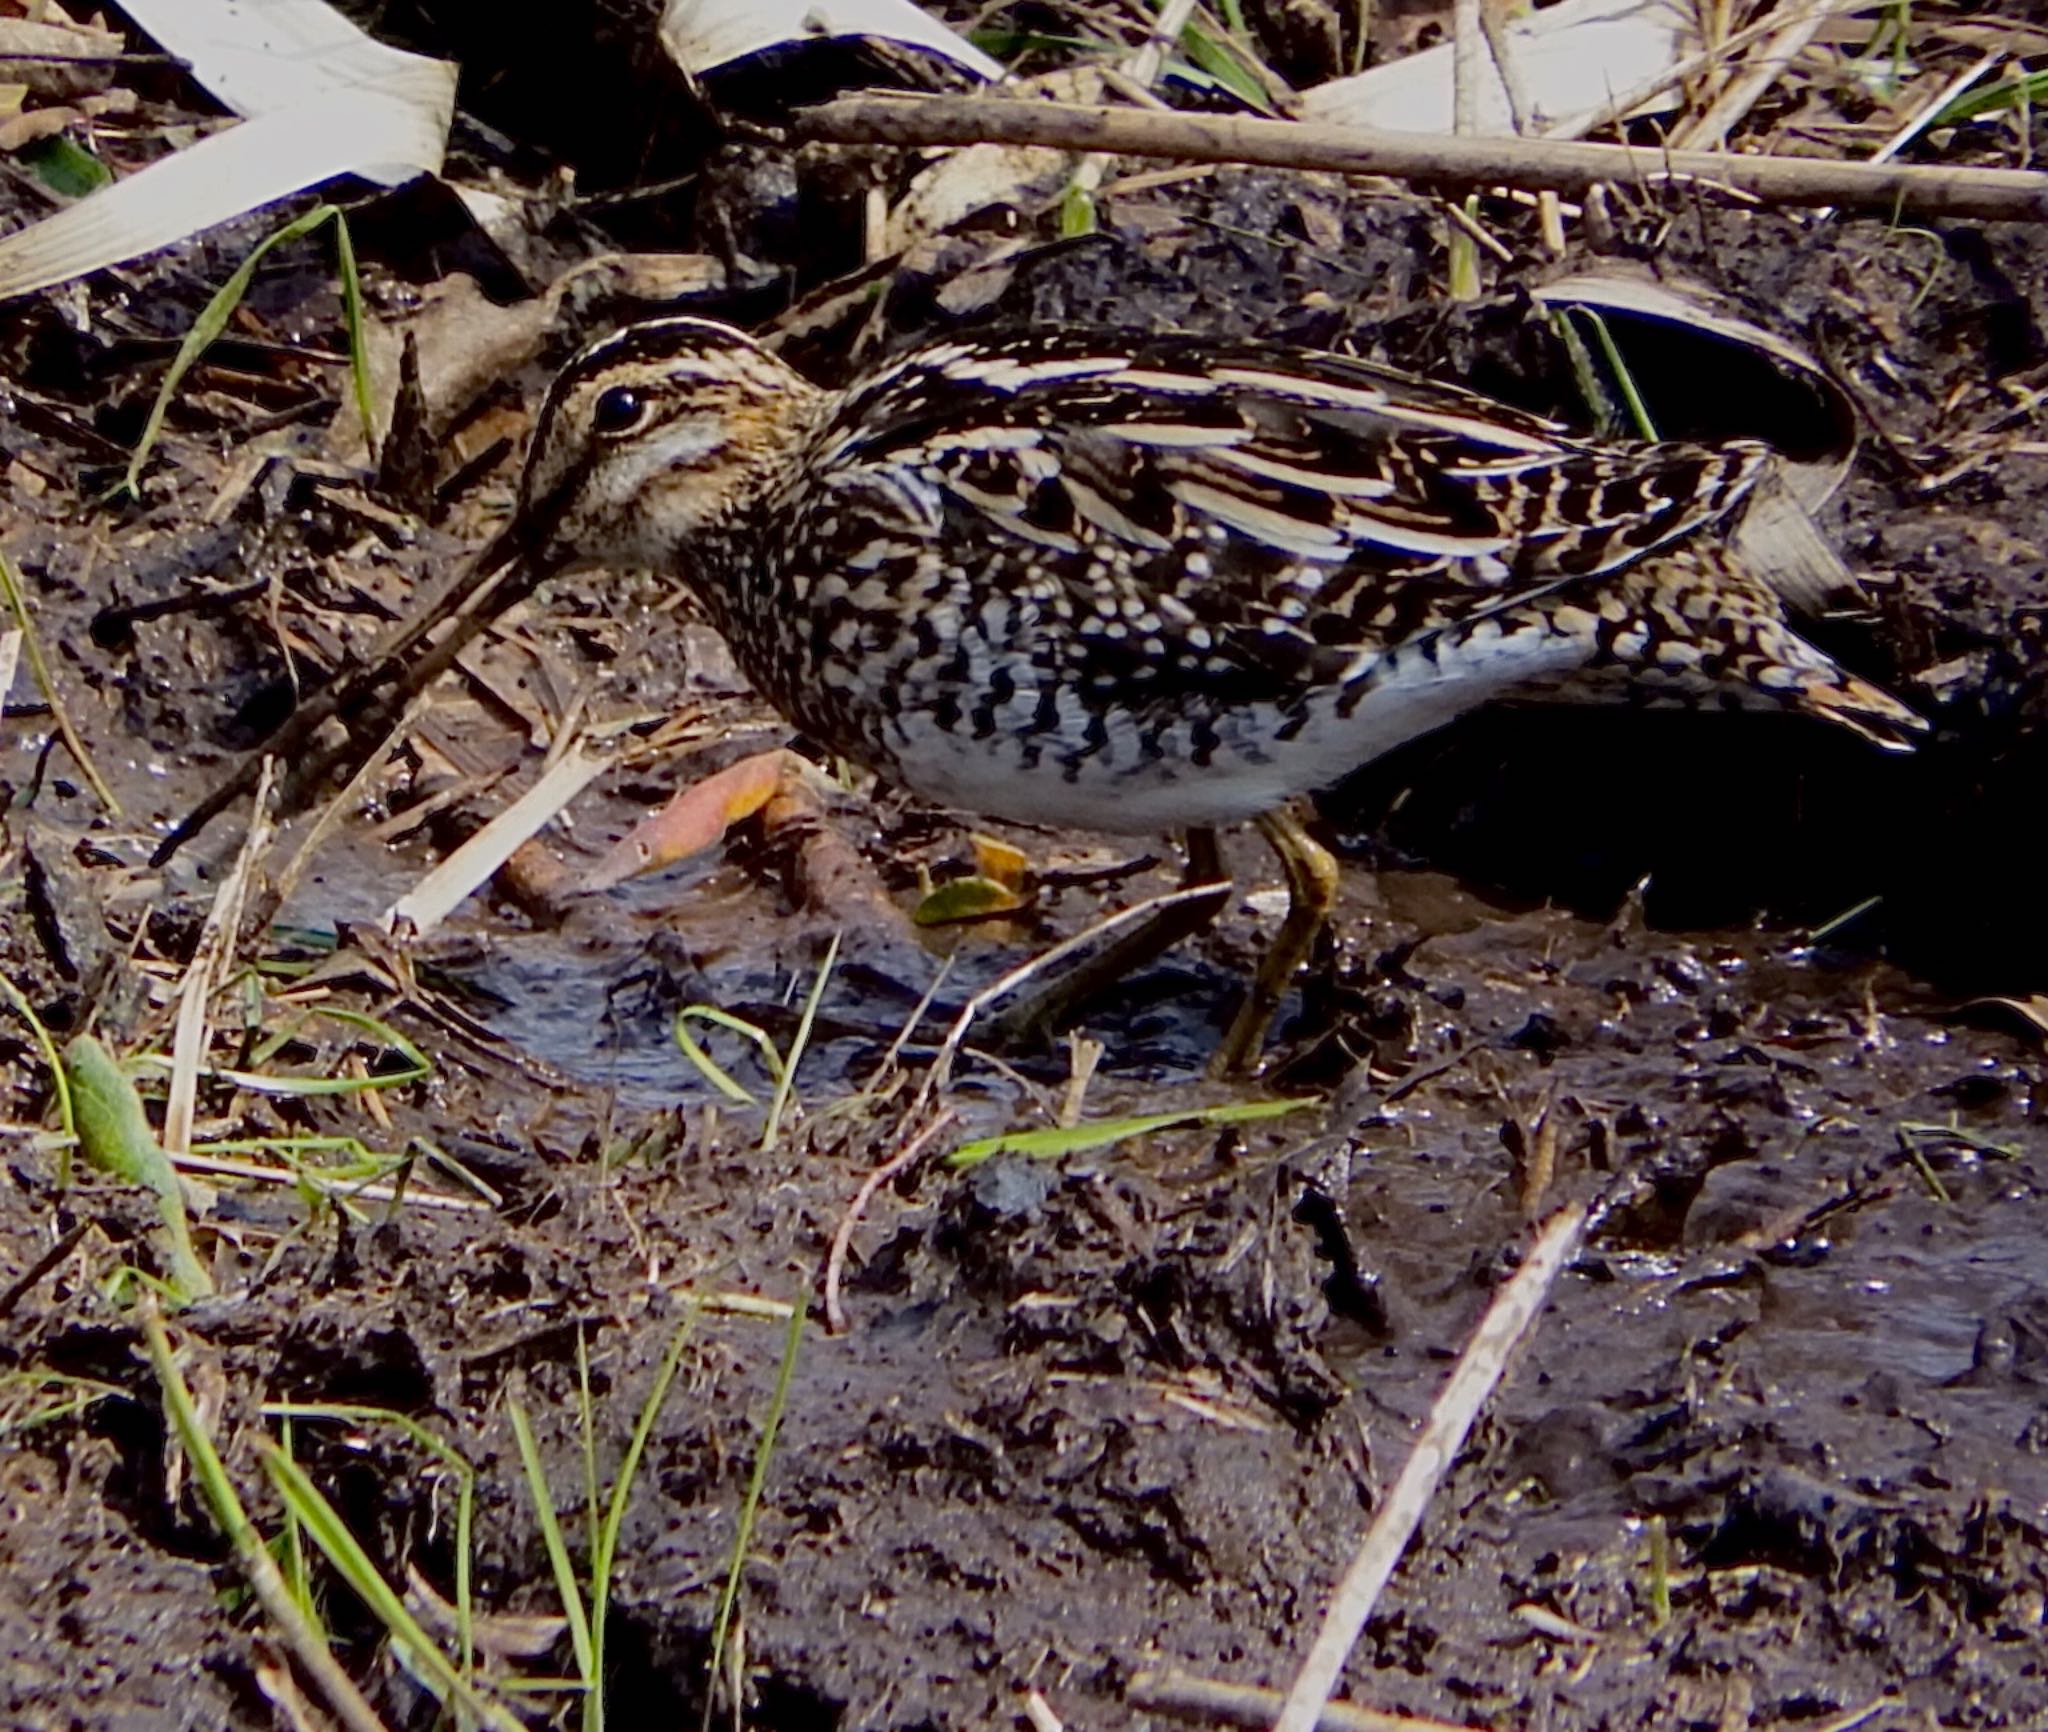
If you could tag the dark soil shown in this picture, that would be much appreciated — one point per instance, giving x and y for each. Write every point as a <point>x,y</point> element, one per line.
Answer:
<point>1130,1410</point>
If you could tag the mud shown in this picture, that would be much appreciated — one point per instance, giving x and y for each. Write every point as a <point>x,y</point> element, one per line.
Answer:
<point>1735,981</point>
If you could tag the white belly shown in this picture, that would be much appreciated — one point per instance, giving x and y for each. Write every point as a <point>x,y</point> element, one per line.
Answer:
<point>1120,788</point>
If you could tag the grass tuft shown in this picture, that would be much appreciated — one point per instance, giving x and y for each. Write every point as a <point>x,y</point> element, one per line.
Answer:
<point>587,1614</point>
<point>220,308</point>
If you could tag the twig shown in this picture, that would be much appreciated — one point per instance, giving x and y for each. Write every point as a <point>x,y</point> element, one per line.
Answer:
<point>1462,255</point>
<point>1678,72</point>
<point>842,1237</point>
<point>1924,114</point>
<point>1142,69</point>
<point>941,1070</point>
<point>211,956</point>
<point>214,1166</point>
<point>1493,25</point>
<point>16,599</point>
<point>25,1283</point>
<point>1465,67</point>
<point>1039,1713</point>
<point>1851,1718</point>
<point>449,885</point>
<point>1732,107</point>
<point>1211,1699</point>
<point>1990,194</point>
<point>1478,1370</point>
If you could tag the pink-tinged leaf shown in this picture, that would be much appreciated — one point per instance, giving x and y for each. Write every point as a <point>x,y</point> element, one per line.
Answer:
<point>696,819</point>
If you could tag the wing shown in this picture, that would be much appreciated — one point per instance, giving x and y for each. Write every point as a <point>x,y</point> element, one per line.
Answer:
<point>1249,516</point>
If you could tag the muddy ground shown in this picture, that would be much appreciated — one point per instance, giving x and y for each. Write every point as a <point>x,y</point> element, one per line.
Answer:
<point>1758,993</point>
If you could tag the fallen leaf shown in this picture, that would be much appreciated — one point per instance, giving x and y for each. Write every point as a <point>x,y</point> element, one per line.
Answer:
<point>695,819</point>
<point>973,898</point>
<point>32,124</point>
<point>2032,1010</point>
<point>55,57</point>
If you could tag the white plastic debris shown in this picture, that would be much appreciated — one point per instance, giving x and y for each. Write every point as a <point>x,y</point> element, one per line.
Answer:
<point>319,99</point>
<point>703,35</point>
<point>1575,61</point>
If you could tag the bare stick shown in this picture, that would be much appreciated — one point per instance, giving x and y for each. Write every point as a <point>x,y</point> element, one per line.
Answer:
<point>1493,25</point>
<point>842,1238</point>
<point>941,1071</point>
<point>1142,69</point>
<point>1479,1369</point>
<point>212,956</point>
<point>1465,67</point>
<point>1734,103</point>
<point>1710,59</point>
<point>1990,194</point>
<point>449,885</point>
<point>1212,1700</point>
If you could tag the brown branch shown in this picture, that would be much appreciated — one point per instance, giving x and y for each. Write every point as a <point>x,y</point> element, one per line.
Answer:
<point>1988,194</point>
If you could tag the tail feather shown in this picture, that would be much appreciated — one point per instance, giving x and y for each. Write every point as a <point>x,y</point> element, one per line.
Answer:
<point>1693,626</point>
<point>1839,696</point>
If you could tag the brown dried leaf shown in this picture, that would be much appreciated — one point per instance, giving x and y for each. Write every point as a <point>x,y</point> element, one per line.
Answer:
<point>34,123</point>
<point>58,58</point>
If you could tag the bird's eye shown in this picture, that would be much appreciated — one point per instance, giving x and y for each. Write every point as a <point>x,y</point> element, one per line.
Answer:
<point>619,411</point>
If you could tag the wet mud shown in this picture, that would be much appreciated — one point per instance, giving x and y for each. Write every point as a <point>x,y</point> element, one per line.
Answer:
<point>1764,998</point>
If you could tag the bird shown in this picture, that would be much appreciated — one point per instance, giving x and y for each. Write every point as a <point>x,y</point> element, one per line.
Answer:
<point>1131,582</point>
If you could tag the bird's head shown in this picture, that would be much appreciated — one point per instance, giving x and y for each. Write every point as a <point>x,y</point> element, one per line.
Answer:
<point>653,436</point>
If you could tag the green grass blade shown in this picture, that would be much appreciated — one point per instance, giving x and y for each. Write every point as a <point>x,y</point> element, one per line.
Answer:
<point>607,1541</point>
<point>32,1398</point>
<point>551,1536</point>
<point>60,1084</point>
<point>358,335</point>
<point>786,1082</point>
<point>213,319</point>
<point>1638,411</point>
<point>586,1425</point>
<point>341,1548</point>
<point>728,1600</point>
<point>356,1413</point>
<point>712,1071</point>
<point>416,1069</point>
<point>1058,1140</point>
<point>1222,62</point>
<point>306,1643</point>
<point>2018,93</point>
<point>298,1574</point>
<point>1599,401</point>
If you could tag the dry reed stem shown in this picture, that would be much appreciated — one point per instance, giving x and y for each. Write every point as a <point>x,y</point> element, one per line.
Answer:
<point>1478,1372</point>
<point>1990,194</point>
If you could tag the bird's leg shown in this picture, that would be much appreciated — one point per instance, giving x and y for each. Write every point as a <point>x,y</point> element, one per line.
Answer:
<point>1311,893</point>
<point>1055,1002</point>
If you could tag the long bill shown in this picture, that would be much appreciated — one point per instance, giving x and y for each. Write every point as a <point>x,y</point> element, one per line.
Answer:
<point>368,699</point>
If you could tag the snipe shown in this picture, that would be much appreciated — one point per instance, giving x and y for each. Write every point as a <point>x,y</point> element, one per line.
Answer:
<point>1132,583</point>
